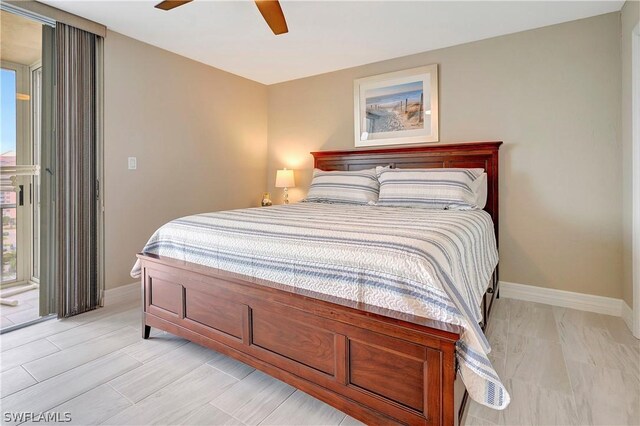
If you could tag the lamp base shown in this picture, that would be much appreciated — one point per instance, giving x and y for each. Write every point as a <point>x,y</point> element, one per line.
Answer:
<point>286,195</point>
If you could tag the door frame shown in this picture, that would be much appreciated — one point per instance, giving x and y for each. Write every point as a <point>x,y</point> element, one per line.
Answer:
<point>635,172</point>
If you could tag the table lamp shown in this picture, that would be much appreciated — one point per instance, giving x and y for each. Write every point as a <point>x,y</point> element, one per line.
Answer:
<point>284,179</point>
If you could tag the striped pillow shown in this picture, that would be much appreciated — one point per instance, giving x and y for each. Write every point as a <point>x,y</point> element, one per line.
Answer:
<point>354,187</point>
<point>449,189</point>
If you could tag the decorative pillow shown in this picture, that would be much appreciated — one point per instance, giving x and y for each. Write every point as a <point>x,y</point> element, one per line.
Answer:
<point>450,189</point>
<point>354,187</point>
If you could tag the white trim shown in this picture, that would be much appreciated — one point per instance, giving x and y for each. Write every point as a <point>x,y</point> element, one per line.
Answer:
<point>627,315</point>
<point>566,299</point>
<point>123,293</point>
<point>635,178</point>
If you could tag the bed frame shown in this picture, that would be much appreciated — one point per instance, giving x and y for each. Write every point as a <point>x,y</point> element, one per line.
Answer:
<point>377,365</point>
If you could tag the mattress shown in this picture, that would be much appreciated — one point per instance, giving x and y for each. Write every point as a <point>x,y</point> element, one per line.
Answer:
<point>430,263</point>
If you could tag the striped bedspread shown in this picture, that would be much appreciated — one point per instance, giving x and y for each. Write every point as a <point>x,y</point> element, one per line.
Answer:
<point>430,263</point>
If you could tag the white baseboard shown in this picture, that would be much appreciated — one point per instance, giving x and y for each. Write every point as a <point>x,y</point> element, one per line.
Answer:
<point>565,299</point>
<point>123,293</point>
<point>627,315</point>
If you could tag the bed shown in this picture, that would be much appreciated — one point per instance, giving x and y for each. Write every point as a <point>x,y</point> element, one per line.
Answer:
<point>381,359</point>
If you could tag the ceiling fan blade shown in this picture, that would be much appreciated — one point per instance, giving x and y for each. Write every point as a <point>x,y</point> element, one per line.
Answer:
<point>171,4</point>
<point>272,13</point>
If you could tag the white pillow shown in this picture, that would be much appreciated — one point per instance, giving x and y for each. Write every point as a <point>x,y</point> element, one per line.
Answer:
<point>450,189</point>
<point>481,190</point>
<point>353,187</point>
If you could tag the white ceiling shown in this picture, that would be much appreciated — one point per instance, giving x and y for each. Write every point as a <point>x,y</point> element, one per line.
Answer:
<point>323,35</point>
<point>20,39</point>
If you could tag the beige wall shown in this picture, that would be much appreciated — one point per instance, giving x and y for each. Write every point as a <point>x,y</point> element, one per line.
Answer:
<point>200,136</point>
<point>630,18</point>
<point>552,95</point>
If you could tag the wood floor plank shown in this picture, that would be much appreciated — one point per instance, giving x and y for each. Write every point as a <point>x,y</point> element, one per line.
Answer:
<point>211,416</point>
<point>500,309</point>
<point>106,312</point>
<point>173,403</point>
<point>150,377</point>
<point>532,319</point>
<point>614,326</point>
<point>92,407</point>
<point>597,347</point>
<point>350,421</point>
<point>5,322</point>
<point>14,380</point>
<point>605,396</point>
<point>618,330</point>
<point>26,353</point>
<point>59,389</point>
<point>50,328</point>
<point>475,421</point>
<point>93,329</point>
<point>534,405</point>
<point>537,361</point>
<point>159,344</point>
<point>35,332</point>
<point>253,398</point>
<point>65,360</point>
<point>301,409</point>
<point>26,315</point>
<point>230,366</point>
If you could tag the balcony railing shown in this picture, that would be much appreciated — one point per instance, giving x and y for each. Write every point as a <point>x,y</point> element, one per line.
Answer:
<point>9,244</point>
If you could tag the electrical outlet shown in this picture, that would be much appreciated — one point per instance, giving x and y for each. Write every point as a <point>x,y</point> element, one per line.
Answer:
<point>133,163</point>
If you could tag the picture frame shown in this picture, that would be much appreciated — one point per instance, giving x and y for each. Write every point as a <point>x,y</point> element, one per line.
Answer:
<point>397,108</point>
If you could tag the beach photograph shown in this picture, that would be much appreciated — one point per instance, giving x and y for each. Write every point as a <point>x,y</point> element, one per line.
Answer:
<point>396,108</point>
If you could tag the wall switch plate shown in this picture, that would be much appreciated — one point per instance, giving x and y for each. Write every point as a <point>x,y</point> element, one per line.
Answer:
<point>133,163</point>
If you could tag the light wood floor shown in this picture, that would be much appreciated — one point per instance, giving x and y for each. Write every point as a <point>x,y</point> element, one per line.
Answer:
<point>96,367</point>
<point>26,310</point>
<point>562,367</point>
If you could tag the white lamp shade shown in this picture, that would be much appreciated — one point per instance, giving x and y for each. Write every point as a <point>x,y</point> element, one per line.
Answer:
<point>284,179</point>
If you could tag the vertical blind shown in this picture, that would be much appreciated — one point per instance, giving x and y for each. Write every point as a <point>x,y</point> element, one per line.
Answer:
<point>76,174</point>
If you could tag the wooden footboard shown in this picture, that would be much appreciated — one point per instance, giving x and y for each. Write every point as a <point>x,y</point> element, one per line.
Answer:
<point>379,366</point>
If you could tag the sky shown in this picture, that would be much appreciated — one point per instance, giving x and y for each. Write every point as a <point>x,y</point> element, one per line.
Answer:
<point>392,90</point>
<point>7,110</point>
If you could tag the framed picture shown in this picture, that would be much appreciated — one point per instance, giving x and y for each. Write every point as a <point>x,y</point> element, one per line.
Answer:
<point>397,108</point>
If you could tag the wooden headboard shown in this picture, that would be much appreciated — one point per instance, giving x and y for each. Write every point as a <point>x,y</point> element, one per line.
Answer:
<point>463,155</point>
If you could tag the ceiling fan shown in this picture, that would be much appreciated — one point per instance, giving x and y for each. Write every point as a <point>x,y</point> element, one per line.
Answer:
<point>270,10</point>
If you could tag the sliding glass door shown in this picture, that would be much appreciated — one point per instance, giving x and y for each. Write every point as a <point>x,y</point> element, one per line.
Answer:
<point>26,111</point>
<point>52,167</point>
